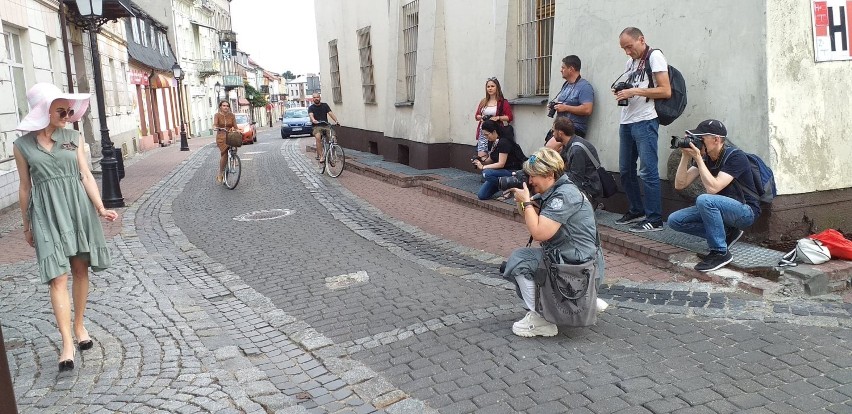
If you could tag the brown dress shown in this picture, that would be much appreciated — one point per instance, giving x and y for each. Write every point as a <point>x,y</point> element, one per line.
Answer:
<point>227,121</point>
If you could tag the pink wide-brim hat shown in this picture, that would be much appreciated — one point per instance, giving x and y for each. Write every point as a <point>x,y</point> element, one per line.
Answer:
<point>40,96</point>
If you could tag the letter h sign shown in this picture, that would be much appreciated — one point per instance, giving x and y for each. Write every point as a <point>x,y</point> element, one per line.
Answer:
<point>832,21</point>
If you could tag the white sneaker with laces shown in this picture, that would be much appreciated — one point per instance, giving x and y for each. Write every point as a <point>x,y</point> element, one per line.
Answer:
<point>601,305</point>
<point>534,325</point>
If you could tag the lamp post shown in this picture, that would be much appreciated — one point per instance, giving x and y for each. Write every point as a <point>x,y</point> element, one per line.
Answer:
<point>178,72</point>
<point>218,89</point>
<point>92,18</point>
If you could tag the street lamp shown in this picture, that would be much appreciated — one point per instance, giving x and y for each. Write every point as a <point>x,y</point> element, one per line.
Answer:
<point>91,19</point>
<point>218,89</point>
<point>178,72</point>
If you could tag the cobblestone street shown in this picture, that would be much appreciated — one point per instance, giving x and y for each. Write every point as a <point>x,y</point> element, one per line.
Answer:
<point>347,295</point>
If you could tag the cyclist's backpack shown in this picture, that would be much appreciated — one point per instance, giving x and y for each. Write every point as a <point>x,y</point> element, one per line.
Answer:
<point>668,109</point>
<point>763,176</point>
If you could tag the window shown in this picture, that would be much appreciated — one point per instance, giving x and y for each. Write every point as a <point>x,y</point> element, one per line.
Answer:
<point>125,91</point>
<point>535,45</point>
<point>134,28</point>
<point>12,48</point>
<point>366,55</point>
<point>114,80</point>
<point>410,17</point>
<point>142,33</point>
<point>336,92</point>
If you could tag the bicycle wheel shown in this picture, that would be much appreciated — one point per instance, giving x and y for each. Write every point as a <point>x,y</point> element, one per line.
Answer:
<point>336,161</point>
<point>233,171</point>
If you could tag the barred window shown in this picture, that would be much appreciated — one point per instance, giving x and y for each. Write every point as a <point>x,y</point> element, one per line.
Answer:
<point>535,45</point>
<point>410,18</point>
<point>336,94</point>
<point>366,55</point>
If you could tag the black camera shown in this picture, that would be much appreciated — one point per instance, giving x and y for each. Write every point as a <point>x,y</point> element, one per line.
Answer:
<point>516,180</point>
<point>551,106</point>
<point>620,86</point>
<point>486,117</point>
<point>683,142</point>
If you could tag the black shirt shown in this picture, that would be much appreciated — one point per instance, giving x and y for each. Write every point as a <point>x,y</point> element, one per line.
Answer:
<point>320,111</point>
<point>580,168</point>
<point>514,161</point>
<point>735,163</point>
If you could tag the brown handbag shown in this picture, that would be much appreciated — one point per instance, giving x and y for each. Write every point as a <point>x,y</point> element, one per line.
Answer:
<point>234,139</point>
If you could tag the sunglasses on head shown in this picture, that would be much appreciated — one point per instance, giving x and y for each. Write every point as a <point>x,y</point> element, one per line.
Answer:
<point>493,78</point>
<point>533,159</point>
<point>63,113</point>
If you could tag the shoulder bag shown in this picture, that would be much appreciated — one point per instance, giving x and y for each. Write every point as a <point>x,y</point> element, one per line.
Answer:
<point>566,294</point>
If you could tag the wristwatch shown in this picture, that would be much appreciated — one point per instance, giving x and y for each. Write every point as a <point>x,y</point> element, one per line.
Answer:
<point>526,204</point>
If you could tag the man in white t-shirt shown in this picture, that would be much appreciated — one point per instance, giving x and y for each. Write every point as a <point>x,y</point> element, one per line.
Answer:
<point>639,131</point>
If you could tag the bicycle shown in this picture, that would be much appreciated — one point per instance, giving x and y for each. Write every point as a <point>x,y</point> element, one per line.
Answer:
<point>233,167</point>
<point>333,158</point>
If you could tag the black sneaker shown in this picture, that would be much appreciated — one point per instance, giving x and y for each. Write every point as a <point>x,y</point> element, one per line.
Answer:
<point>732,235</point>
<point>629,217</point>
<point>714,261</point>
<point>645,226</point>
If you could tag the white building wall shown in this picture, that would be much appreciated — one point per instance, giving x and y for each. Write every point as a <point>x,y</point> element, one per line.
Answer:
<point>808,105</point>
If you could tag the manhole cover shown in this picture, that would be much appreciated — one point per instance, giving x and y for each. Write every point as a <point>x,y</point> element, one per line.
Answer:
<point>264,215</point>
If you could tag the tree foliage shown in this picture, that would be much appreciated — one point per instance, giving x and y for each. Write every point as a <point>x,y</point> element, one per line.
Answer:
<point>288,75</point>
<point>257,100</point>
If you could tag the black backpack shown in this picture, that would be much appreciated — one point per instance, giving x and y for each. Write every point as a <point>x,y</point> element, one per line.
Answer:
<point>668,109</point>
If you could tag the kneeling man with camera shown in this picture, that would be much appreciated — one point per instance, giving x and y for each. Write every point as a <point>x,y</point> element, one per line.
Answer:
<point>729,205</point>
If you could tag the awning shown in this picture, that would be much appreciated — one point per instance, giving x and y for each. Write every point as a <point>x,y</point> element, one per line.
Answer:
<point>159,81</point>
<point>244,102</point>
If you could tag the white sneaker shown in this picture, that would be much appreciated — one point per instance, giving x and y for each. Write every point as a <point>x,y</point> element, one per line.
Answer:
<point>601,305</point>
<point>534,325</point>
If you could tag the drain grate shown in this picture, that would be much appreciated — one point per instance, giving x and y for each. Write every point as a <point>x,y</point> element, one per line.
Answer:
<point>264,215</point>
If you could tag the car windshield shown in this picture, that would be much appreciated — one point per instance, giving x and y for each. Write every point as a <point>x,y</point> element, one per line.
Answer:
<point>296,113</point>
<point>241,118</point>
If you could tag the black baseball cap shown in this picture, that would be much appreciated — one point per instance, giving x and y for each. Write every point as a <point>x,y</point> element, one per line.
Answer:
<point>709,127</point>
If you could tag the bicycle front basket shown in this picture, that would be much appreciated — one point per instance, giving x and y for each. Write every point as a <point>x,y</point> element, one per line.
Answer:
<point>234,139</point>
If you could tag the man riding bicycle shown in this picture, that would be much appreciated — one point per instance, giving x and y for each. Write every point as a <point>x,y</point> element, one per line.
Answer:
<point>319,112</point>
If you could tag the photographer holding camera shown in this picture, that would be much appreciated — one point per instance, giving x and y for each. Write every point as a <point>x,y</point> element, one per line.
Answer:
<point>502,157</point>
<point>638,133</point>
<point>576,98</point>
<point>565,227</point>
<point>730,204</point>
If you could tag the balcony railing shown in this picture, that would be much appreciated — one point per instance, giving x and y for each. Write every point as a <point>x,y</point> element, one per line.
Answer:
<point>208,67</point>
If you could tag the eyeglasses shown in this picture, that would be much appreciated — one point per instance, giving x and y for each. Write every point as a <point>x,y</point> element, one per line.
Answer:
<point>493,78</point>
<point>533,159</point>
<point>63,113</point>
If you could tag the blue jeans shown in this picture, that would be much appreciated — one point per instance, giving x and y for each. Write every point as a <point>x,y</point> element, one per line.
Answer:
<point>639,141</point>
<point>709,217</point>
<point>489,187</point>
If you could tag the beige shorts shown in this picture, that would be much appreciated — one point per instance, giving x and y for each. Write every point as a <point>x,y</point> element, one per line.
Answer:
<point>321,129</point>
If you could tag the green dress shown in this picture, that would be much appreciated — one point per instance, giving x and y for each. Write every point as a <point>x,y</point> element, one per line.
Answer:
<point>64,221</point>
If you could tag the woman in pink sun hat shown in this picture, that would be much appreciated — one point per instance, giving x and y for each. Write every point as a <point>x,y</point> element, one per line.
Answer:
<point>60,206</point>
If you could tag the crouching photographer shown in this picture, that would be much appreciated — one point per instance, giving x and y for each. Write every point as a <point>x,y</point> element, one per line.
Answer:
<point>730,204</point>
<point>566,229</point>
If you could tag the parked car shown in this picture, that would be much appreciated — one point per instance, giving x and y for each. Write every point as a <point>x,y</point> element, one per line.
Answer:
<point>246,128</point>
<point>296,122</point>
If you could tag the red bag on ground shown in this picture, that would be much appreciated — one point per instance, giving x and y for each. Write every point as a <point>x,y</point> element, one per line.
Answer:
<point>839,246</point>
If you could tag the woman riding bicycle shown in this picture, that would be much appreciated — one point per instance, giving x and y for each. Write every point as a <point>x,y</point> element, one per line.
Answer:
<point>223,122</point>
